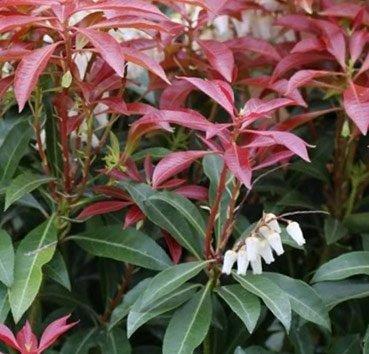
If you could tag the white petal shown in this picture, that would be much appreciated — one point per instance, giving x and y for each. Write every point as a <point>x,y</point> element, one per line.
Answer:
<point>242,261</point>
<point>266,252</point>
<point>252,247</point>
<point>294,230</point>
<point>230,257</point>
<point>275,242</point>
<point>265,231</point>
<point>272,222</point>
<point>256,266</point>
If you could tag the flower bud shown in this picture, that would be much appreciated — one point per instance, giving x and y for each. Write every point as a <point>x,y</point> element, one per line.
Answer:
<point>275,243</point>
<point>252,247</point>
<point>272,222</point>
<point>294,230</point>
<point>242,261</point>
<point>230,257</point>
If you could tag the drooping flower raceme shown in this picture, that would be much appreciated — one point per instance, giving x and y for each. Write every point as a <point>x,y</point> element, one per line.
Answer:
<point>260,244</point>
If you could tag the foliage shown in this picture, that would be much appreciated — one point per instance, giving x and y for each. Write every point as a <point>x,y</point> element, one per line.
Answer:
<point>142,156</point>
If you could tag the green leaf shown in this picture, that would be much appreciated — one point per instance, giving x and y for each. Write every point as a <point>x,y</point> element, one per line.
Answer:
<point>13,149</point>
<point>301,340</point>
<point>6,259</point>
<point>129,245</point>
<point>170,279</point>
<point>22,185</point>
<point>186,208</point>
<point>366,342</point>
<point>115,342</point>
<point>346,345</point>
<point>189,325</point>
<point>56,269</point>
<point>80,342</point>
<point>138,316</point>
<point>333,230</point>
<point>304,300</point>
<point>35,250</point>
<point>155,153</point>
<point>244,304</point>
<point>129,299</point>
<point>274,298</point>
<point>344,266</point>
<point>335,292</point>
<point>358,223</point>
<point>166,217</point>
<point>4,303</point>
<point>139,192</point>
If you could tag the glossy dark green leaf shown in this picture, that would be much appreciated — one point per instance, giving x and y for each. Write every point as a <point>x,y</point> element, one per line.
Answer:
<point>139,192</point>
<point>272,295</point>
<point>344,266</point>
<point>6,259</point>
<point>80,342</point>
<point>357,222</point>
<point>125,245</point>
<point>57,270</point>
<point>4,303</point>
<point>243,303</point>
<point>189,325</point>
<point>334,230</point>
<point>346,345</point>
<point>115,342</point>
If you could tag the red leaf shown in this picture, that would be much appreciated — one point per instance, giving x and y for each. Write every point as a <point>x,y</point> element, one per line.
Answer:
<point>217,90</point>
<point>237,160</point>
<point>256,107</point>
<point>193,192</point>
<point>175,249</point>
<point>115,105</point>
<point>9,22</point>
<point>133,216</point>
<point>7,337</point>
<point>299,23</point>
<point>175,95</point>
<point>220,57</point>
<point>108,47</point>
<point>102,207</point>
<point>356,103</point>
<point>53,331</point>
<point>174,163</point>
<point>28,72</point>
<point>26,339</point>
<point>255,45</point>
<point>5,83</point>
<point>145,61</point>
<point>303,77</point>
<point>307,45</point>
<point>111,191</point>
<point>357,43</point>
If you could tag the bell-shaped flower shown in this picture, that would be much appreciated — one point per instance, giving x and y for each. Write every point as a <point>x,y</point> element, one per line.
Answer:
<point>272,222</point>
<point>265,231</point>
<point>275,242</point>
<point>242,261</point>
<point>252,247</point>
<point>294,230</point>
<point>230,258</point>
<point>266,252</point>
<point>256,265</point>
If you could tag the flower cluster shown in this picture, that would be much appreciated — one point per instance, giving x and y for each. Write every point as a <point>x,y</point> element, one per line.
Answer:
<point>264,238</point>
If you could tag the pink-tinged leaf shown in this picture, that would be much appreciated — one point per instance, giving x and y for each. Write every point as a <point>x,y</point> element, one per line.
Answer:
<point>141,59</point>
<point>217,90</point>
<point>7,337</point>
<point>133,216</point>
<point>356,103</point>
<point>175,95</point>
<point>254,45</point>
<point>27,340</point>
<point>296,60</point>
<point>274,158</point>
<point>219,56</point>
<point>193,192</point>
<point>5,83</point>
<point>7,3</point>
<point>303,77</point>
<point>115,105</point>
<point>307,45</point>
<point>364,66</point>
<point>28,72</point>
<point>299,23</point>
<point>358,41</point>
<point>108,47</point>
<point>237,160</point>
<point>111,191</point>
<point>14,53</point>
<point>102,207</point>
<point>175,249</point>
<point>173,164</point>
<point>286,139</point>
<point>345,10</point>
<point>9,22</point>
<point>53,331</point>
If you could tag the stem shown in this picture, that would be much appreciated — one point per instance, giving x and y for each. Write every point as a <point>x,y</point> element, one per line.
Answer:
<point>213,213</point>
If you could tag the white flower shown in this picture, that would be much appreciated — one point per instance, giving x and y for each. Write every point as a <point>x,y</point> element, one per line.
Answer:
<point>252,247</point>
<point>265,231</point>
<point>275,242</point>
<point>294,230</point>
<point>256,265</point>
<point>266,252</point>
<point>242,261</point>
<point>230,257</point>
<point>272,222</point>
